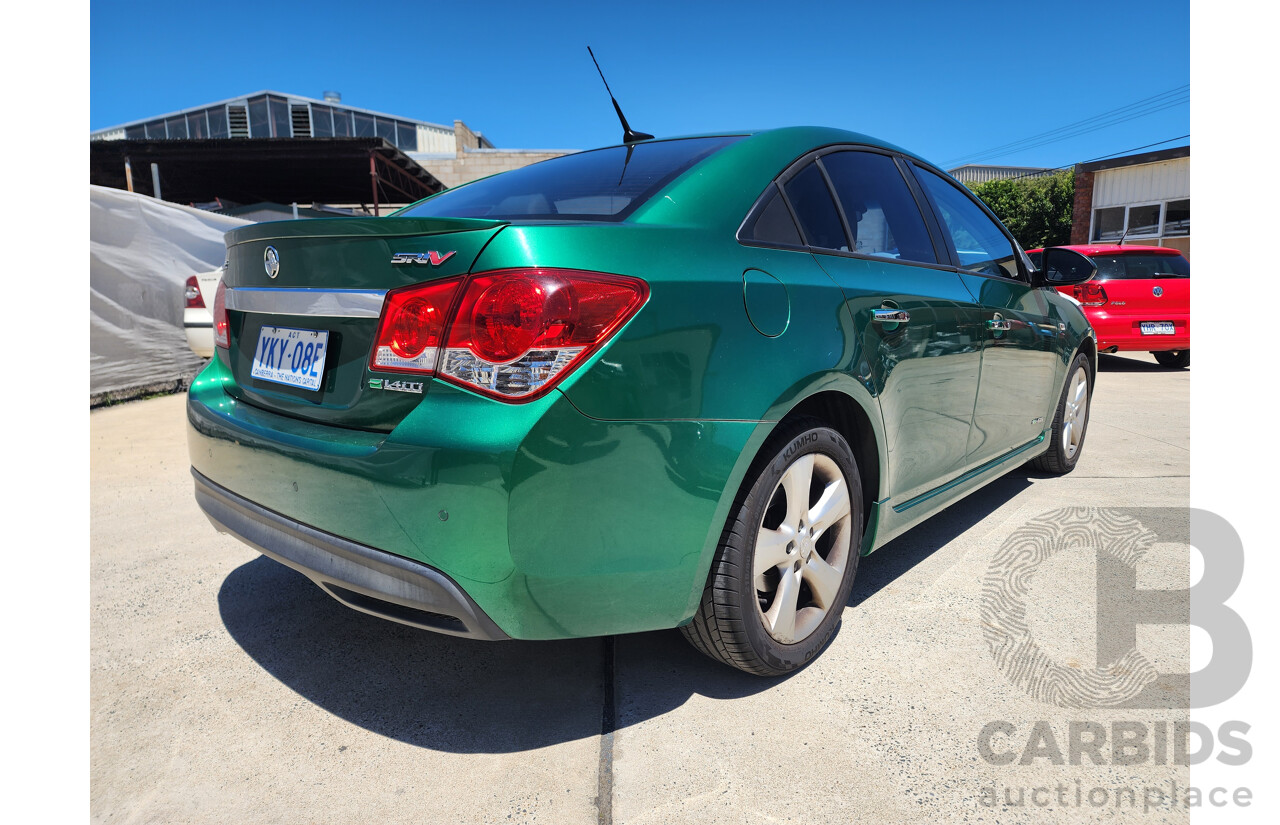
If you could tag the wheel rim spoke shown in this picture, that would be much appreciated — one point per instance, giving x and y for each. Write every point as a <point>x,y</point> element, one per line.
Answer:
<point>831,507</point>
<point>771,551</point>
<point>823,580</point>
<point>795,483</point>
<point>781,617</point>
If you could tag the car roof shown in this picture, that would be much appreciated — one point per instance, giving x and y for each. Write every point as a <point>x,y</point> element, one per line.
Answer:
<point>732,178</point>
<point>1114,249</point>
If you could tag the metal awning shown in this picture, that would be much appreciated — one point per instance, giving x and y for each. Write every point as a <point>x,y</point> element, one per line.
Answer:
<point>250,170</point>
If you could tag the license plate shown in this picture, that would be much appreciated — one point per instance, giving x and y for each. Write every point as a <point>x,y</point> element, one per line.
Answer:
<point>1156,327</point>
<point>291,356</point>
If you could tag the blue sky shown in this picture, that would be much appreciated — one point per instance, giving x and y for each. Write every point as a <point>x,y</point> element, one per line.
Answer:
<point>947,80</point>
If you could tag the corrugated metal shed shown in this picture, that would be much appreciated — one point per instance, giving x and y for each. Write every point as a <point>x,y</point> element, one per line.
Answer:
<point>978,173</point>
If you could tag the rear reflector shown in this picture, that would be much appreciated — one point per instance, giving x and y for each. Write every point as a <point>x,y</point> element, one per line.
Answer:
<point>192,294</point>
<point>513,333</point>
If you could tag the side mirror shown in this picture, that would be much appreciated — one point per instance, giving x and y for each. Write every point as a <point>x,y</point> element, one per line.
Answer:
<point>1063,267</point>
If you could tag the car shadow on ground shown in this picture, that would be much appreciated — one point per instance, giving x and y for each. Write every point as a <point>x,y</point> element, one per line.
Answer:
<point>1119,363</point>
<point>464,696</point>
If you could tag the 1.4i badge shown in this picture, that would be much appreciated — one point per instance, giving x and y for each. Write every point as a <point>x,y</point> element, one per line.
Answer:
<point>396,385</point>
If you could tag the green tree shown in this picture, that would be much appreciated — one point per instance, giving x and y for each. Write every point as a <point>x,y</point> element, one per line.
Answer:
<point>1036,210</point>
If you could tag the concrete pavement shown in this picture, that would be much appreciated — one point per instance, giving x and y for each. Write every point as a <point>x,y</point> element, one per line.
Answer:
<point>227,687</point>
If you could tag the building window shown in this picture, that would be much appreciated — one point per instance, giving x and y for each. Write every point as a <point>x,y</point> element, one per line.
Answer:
<point>1177,218</point>
<point>259,118</point>
<point>1144,220</point>
<point>1108,224</point>
<point>407,137</point>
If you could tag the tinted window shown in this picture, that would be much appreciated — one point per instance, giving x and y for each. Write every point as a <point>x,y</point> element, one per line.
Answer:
<point>218,122</point>
<point>280,125</point>
<point>979,243</point>
<point>259,124</point>
<point>176,127</point>
<point>1144,220</point>
<point>321,121</point>
<point>407,137</point>
<point>364,125</point>
<point>604,184</point>
<point>342,123</point>
<point>881,212</point>
<point>1108,224</point>
<point>385,129</point>
<point>772,223</point>
<point>1177,218</point>
<point>811,199</point>
<point>197,126</point>
<point>1139,266</point>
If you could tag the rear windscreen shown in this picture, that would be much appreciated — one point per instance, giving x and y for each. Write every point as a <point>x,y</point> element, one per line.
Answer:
<point>1139,267</point>
<point>600,185</point>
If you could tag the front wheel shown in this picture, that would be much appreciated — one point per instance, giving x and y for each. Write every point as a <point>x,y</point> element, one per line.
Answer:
<point>1069,421</point>
<point>787,557</point>
<point>1178,359</point>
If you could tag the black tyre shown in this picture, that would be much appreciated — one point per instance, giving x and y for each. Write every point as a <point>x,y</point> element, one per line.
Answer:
<point>1178,359</point>
<point>788,555</point>
<point>1070,421</point>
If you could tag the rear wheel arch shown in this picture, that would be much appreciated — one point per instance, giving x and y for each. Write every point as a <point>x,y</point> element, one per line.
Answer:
<point>846,416</point>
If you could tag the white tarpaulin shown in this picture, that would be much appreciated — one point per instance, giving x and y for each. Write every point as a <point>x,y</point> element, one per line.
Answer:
<point>141,252</point>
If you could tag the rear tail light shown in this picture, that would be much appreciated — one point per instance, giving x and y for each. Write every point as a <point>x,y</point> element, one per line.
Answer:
<point>512,334</point>
<point>411,327</point>
<point>192,294</point>
<point>1090,294</point>
<point>221,336</point>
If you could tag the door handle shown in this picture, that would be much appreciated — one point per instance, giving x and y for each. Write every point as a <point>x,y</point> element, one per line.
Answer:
<point>890,316</point>
<point>999,324</point>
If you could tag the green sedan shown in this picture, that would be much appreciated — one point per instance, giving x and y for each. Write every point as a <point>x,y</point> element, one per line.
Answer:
<point>673,383</point>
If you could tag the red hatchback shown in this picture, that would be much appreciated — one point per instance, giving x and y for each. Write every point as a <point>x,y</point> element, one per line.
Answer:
<point>1139,300</point>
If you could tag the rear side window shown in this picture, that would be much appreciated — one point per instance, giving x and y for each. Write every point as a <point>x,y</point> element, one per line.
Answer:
<point>1138,267</point>
<point>880,209</point>
<point>979,243</point>
<point>811,199</point>
<point>771,223</point>
<point>603,184</point>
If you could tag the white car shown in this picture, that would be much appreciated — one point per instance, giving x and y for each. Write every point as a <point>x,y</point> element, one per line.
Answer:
<point>197,317</point>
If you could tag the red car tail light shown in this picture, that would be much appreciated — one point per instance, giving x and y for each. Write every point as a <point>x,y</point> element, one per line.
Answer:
<point>511,335</point>
<point>517,332</point>
<point>1090,294</point>
<point>192,294</point>
<point>412,326</point>
<point>221,325</point>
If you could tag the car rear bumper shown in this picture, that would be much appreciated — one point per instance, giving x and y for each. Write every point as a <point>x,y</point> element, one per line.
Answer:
<point>1124,332</point>
<point>554,524</point>
<point>363,578</point>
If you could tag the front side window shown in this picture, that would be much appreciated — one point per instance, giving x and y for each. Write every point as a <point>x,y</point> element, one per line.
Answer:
<point>603,184</point>
<point>880,209</point>
<point>810,197</point>
<point>979,243</point>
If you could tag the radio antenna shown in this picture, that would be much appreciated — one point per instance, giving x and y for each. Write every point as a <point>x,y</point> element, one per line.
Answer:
<point>629,135</point>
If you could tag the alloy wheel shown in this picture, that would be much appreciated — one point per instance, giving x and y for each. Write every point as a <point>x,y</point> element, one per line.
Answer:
<point>802,548</point>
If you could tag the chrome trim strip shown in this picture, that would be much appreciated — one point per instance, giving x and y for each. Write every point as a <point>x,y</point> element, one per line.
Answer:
<point>330,303</point>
